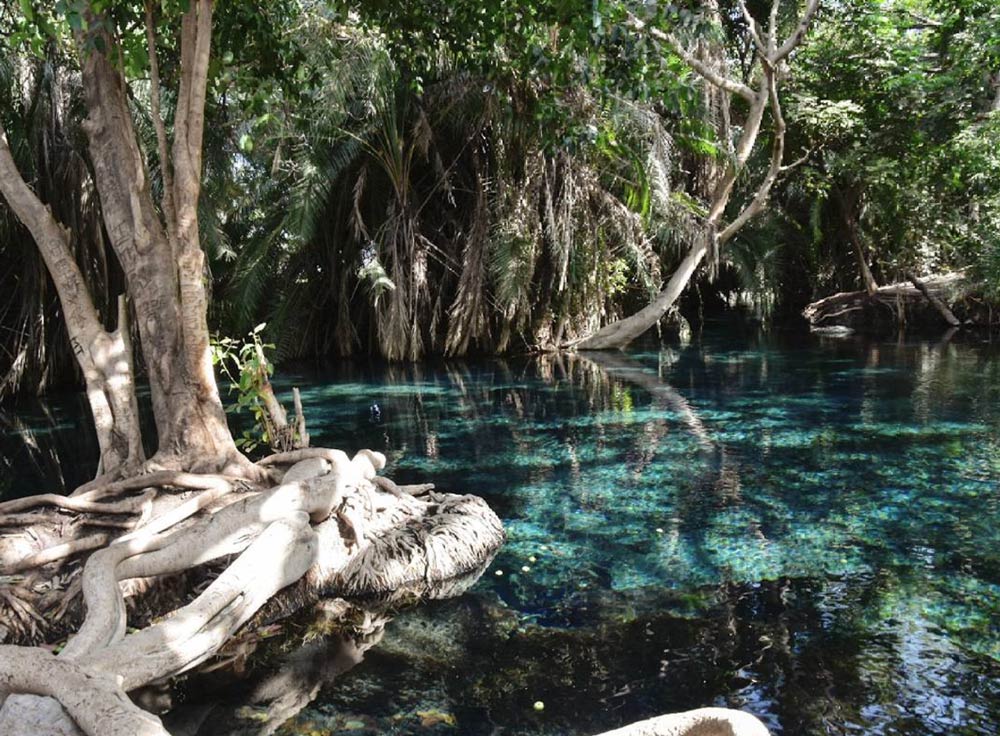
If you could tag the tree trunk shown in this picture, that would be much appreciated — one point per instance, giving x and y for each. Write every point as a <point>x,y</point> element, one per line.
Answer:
<point>622,332</point>
<point>165,280</point>
<point>848,207</point>
<point>709,170</point>
<point>285,538</point>
<point>104,357</point>
<point>771,56</point>
<point>859,309</point>
<point>935,301</point>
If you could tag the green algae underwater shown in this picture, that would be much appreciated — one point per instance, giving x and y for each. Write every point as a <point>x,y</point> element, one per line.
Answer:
<point>805,528</point>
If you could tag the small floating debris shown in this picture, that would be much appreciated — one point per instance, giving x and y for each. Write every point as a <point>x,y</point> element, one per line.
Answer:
<point>532,559</point>
<point>832,331</point>
<point>539,705</point>
<point>525,568</point>
<point>659,530</point>
<point>498,573</point>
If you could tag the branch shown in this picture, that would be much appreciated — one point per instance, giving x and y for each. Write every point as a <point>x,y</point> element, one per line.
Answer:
<point>744,147</point>
<point>52,240</point>
<point>922,20</point>
<point>935,302</point>
<point>799,161</point>
<point>189,120</point>
<point>166,165</point>
<point>772,29</point>
<point>707,72</point>
<point>777,154</point>
<point>119,168</point>
<point>798,34</point>
<point>753,28</point>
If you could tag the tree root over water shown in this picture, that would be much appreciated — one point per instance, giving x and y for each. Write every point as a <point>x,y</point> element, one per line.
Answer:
<point>700,722</point>
<point>331,527</point>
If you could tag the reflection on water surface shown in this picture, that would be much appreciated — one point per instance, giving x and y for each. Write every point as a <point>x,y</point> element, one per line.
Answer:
<point>808,530</point>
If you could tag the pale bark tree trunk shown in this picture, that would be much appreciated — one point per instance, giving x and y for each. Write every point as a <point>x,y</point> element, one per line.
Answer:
<point>712,53</point>
<point>104,357</point>
<point>164,273</point>
<point>771,56</point>
<point>946,314</point>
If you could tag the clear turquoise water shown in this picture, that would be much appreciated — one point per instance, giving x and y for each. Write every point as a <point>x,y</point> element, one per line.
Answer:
<point>807,529</point>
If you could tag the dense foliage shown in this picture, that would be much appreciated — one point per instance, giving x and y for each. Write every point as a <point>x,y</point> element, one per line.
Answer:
<point>404,179</point>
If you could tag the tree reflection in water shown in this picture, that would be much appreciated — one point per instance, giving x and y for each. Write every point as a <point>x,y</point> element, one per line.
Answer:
<point>810,531</point>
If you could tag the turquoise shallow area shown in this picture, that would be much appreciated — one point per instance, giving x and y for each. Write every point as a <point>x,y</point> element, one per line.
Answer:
<point>818,520</point>
<point>808,529</point>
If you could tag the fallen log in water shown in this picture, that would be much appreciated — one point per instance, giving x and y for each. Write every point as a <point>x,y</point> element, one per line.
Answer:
<point>932,303</point>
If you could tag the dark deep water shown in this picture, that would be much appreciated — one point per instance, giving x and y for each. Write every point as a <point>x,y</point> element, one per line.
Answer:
<point>806,529</point>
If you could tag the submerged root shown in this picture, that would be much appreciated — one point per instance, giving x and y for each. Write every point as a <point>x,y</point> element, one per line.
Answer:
<point>286,545</point>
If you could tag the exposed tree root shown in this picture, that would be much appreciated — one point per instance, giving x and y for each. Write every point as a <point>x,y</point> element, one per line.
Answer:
<point>700,722</point>
<point>418,489</point>
<point>58,552</point>
<point>68,503</point>
<point>93,700</point>
<point>289,548</point>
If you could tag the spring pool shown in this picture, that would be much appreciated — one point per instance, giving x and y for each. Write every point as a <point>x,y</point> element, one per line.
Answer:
<point>808,529</point>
